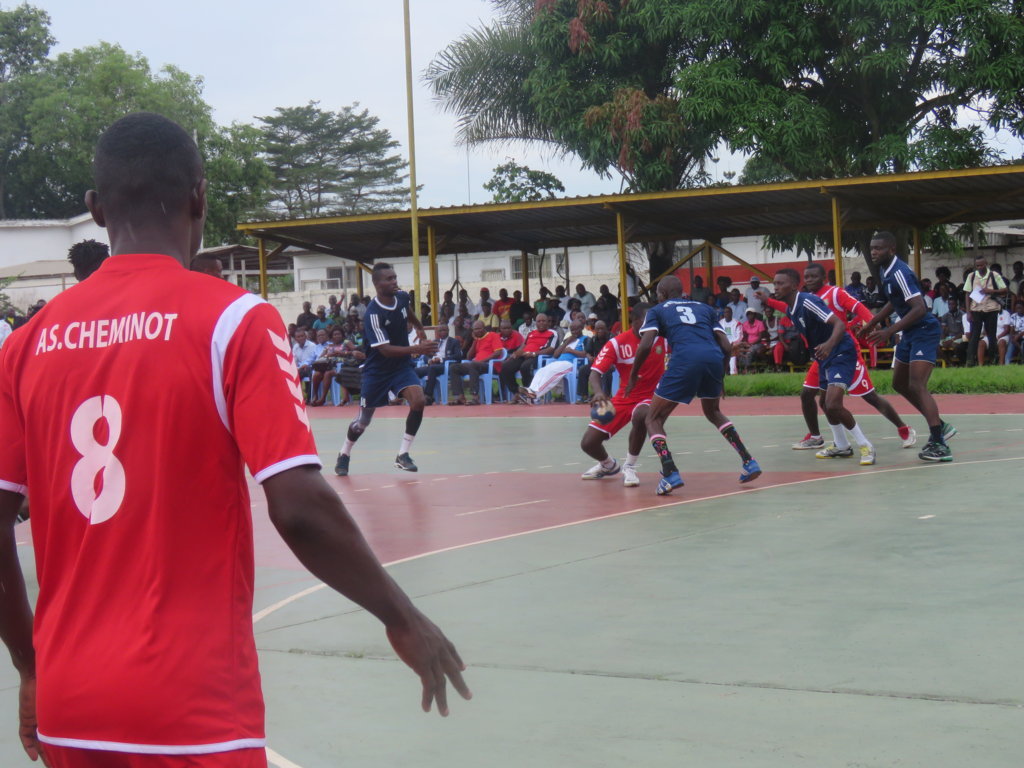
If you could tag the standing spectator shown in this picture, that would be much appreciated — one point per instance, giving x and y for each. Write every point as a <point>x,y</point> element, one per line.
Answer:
<point>86,257</point>
<point>753,298</point>
<point>502,305</point>
<point>1016,281</point>
<point>699,292</point>
<point>306,318</point>
<point>586,298</point>
<point>984,288</point>
<point>610,299</point>
<point>518,308</point>
<point>485,295</point>
<point>857,289</point>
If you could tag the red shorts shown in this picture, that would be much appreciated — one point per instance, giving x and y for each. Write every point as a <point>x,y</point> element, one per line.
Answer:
<point>68,757</point>
<point>623,414</point>
<point>860,386</point>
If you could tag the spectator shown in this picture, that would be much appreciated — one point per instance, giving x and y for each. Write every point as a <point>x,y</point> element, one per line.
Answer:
<point>447,305</point>
<point>502,305</point>
<point>571,349</point>
<point>322,322</point>
<point>776,326</point>
<point>462,326</point>
<point>525,324</point>
<point>984,288</point>
<point>86,257</point>
<point>753,340</point>
<point>737,305</point>
<point>927,293</point>
<point>603,311</point>
<point>490,320</point>
<point>306,318</point>
<point>485,347</point>
<point>732,333</point>
<point>5,331</point>
<point>593,345</point>
<point>940,304</point>
<point>540,306</point>
<point>954,330</point>
<point>563,298</point>
<point>208,264</point>
<point>857,289</point>
<point>537,342</point>
<point>1016,281</point>
<point>586,298</point>
<point>591,324</point>
<point>449,350</point>
<point>485,295</point>
<point>1004,327</point>
<point>518,308</point>
<point>304,353</point>
<point>323,369</point>
<point>467,303</point>
<point>699,292</point>
<point>753,297</point>
<point>873,298</point>
<point>1015,337</point>
<point>610,299</point>
<point>333,308</point>
<point>723,297</point>
<point>511,339</point>
<point>574,307</point>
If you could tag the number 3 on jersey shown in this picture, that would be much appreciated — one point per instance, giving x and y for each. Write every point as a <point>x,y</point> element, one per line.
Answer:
<point>98,468</point>
<point>686,315</point>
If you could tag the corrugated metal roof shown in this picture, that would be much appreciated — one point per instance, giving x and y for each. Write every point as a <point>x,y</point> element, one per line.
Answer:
<point>913,199</point>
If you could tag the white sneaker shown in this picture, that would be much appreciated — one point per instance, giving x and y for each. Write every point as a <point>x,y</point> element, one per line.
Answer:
<point>911,439</point>
<point>596,472</point>
<point>629,476</point>
<point>808,443</point>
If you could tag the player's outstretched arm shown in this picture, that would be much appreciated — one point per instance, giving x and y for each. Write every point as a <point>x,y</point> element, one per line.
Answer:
<point>319,530</point>
<point>16,624</point>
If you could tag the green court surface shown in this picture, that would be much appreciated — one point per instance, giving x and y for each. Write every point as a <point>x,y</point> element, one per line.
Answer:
<point>825,615</point>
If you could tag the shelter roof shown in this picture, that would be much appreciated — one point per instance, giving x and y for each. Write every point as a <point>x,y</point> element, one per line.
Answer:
<point>890,201</point>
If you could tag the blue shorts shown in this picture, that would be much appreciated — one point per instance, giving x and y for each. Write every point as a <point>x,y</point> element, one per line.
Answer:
<point>919,344</point>
<point>839,369</point>
<point>691,378</point>
<point>379,388</point>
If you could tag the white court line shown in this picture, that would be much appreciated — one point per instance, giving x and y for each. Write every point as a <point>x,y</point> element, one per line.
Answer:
<point>506,506</point>
<point>281,762</point>
<point>545,466</point>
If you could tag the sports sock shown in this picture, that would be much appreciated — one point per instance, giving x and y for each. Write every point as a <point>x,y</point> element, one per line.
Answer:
<point>859,436</point>
<point>406,443</point>
<point>660,445</point>
<point>630,460</point>
<point>346,449</point>
<point>904,432</point>
<point>608,463</point>
<point>839,437</point>
<point>935,433</point>
<point>733,438</point>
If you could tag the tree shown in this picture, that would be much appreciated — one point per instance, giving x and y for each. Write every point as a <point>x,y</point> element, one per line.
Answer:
<point>514,183</point>
<point>238,180</point>
<point>331,162</point>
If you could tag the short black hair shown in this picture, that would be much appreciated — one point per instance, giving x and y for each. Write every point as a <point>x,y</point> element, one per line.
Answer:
<point>789,272</point>
<point>146,165</point>
<point>816,266</point>
<point>638,310</point>
<point>379,267</point>
<point>87,256</point>
<point>886,237</point>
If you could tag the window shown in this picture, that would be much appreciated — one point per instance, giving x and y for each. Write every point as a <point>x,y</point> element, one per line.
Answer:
<point>535,261</point>
<point>492,275</point>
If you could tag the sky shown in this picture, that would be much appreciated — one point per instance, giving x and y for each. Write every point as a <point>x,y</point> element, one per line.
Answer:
<point>259,55</point>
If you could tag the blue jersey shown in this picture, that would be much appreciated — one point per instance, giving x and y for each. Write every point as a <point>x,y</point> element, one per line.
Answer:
<point>386,325</point>
<point>689,327</point>
<point>899,284</point>
<point>811,317</point>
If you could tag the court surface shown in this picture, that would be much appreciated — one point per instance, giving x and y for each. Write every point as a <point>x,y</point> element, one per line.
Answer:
<point>825,615</point>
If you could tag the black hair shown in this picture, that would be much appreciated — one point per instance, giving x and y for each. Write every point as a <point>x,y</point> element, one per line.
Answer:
<point>87,256</point>
<point>887,237</point>
<point>816,266</point>
<point>146,165</point>
<point>639,310</point>
<point>204,258</point>
<point>380,266</point>
<point>792,274</point>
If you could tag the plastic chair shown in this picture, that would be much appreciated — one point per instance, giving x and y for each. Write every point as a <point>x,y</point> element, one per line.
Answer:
<point>485,392</point>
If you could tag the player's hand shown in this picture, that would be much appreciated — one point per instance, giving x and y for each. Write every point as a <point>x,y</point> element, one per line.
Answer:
<point>431,655</point>
<point>880,338</point>
<point>427,348</point>
<point>600,399</point>
<point>27,721</point>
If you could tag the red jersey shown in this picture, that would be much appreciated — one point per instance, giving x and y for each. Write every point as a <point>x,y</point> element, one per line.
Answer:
<point>620,352</point>
<point>486,346</point>
<point>538,340</point>
<point>131,406</point>
<point>843,305</point>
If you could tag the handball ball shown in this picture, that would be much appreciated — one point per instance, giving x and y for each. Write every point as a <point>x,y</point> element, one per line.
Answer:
<point>602,412</point>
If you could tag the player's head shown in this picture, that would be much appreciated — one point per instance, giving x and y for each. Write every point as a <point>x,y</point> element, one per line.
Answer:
<point>149,185</point>
<point>814,277</point>
<point>543,322</point>
<point>787,283</point>
<point>669,287</point>
<point>385,279</point>
<point>207,264</point>
<point>883,248</point>
<point>86,257</point>
<point>637,315</point>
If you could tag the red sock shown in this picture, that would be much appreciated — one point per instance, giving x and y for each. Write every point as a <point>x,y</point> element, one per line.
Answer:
<point>904,432</point>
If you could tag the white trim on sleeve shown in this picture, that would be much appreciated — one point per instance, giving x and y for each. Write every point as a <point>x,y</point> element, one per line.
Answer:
<point>154,749</point>
<point>6,485</point>
<point>281,466</point>
<point>223,332</point>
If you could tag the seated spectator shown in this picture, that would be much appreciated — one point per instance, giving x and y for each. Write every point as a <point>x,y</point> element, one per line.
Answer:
<point>927,293</point>
<point>448,350</point>
<point>334,309</point>
<point>485,347</point>
<point>447,306</point>
<point>322,322</point>
<point>873,298</point>
<point>1016,280</point>
<point>940,304</point>
<point>485,295</point>
<point>1015,334</point>
<point>732,333</point>
<point>603,311</point>
<point>593,345</point>
<point>350,372</point>
<point>737,305</point>
<point>461,327</point>
<point>752,296</point>
<point>856,288</point>
<point>571,349</point>
<point>466,303</point>
<point>753,340</point>
<point>525,324</point>
<point>610,299</point>
<point>324,367</point>
<point>540,306</point>
<point>586,298</point>
<point>490,320</point>
<point>518,308</point>
<point>540,341</point>
<point>304,352</point>
<point>1003,328</point>
<point>954,329</point>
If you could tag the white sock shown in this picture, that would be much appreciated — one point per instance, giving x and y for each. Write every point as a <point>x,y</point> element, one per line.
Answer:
<point>406,444</point>
<point>839,436</point>
<point>631,459</point>
<point>608,463</point>
<point>346,449</point>
<point>859,436</point>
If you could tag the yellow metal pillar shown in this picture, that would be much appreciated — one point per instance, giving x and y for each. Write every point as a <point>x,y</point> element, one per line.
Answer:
<point>432,253</point>
<point>359,275</point>
<point>412,165</point>
<point>837,241</point>
<point>708,268</point>
<point>620,232</point>
<point>263,268</point>
<point>526,277</point>
<point>917,252</point>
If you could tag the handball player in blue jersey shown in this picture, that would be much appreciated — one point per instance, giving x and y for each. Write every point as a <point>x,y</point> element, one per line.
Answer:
<point>915,354</point>
<point>388,371</point>
<point>825,335</point>
<point>700,352</point>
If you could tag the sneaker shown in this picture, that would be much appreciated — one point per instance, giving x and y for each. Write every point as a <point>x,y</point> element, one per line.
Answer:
<point>596,472</point>
<point>527,394</point>
<point>911,439</point>
<point>867,454</point>
<point>629,476</point>
<point>404,461</point>
<point>341,468</point>
<point>808,443</point>
<point>948,432</point>
<point>751,471</point>
<point>668,484</point>
<point>835,453</point>
<point>936,452</point>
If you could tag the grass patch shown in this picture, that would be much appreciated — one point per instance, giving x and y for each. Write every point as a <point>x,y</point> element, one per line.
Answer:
<point>944,381</point>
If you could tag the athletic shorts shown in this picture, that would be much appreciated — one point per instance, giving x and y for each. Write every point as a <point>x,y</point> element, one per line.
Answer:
<point>68,757</point>
<point>840,368</point>
<point>379,389</point>
<point>919,344</point>
<point>861,385</point>
<point>691,378</point>
<point>624,410</point>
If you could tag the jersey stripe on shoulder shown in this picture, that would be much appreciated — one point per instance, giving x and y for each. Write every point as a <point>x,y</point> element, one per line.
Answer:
<point>223,332</point>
